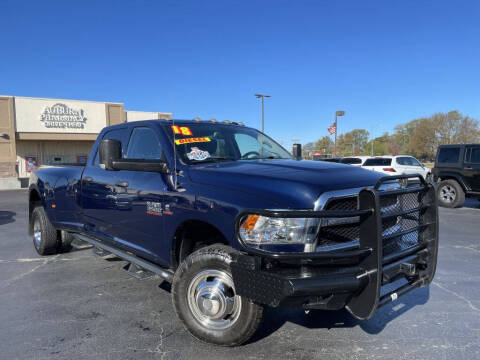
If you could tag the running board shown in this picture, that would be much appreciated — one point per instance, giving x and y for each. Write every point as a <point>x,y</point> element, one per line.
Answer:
<point>142,263</point>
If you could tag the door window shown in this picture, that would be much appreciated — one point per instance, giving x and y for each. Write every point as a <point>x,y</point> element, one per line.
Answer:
<point>473,155</point>
<point>144,144</point>
<point>449,155</point>
<point>407,161</point>
<point>247,143</point>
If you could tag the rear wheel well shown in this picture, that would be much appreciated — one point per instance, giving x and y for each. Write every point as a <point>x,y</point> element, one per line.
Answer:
<point>193,235</point>
<point>33,201</point>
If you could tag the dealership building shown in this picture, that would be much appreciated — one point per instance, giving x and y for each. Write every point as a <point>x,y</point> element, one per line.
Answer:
<point>36,132</point>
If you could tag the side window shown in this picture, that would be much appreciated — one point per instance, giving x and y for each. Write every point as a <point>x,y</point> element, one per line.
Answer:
<point>117,134</point>
<point>402,161</point>
<point>449,155</point>
<point>247,143</point>
<point>473,155</point>
<point>144,144</point>
<point>408,161</point>
<point>414,162</point>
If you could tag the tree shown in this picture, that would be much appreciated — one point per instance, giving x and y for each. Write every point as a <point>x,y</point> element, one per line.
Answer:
<point>325,145</point>
<point>352,142</point>
<point>422,136</point>
<point>418,137</point>
<point>380,145</point>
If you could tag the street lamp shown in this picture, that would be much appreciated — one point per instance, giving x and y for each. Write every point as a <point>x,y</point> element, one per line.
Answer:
<point>337,113</point>
<point>262,96</point>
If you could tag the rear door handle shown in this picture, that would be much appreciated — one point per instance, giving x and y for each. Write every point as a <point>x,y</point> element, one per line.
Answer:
<point>468,168</point>
<point>121,183</point>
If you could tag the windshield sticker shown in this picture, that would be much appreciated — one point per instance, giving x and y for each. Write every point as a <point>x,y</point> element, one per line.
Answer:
<point>197,154</point>
<point>181,130</point>
<point>192,140</point>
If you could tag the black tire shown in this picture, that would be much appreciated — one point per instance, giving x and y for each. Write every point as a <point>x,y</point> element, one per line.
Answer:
<point>245,316</point>
<point>429,178</point>
<point>44,234</point>
<point>450,194</point>
<point>65,242</point>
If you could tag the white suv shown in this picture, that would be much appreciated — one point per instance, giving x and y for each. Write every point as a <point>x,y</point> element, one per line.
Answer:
<point>396,165</point>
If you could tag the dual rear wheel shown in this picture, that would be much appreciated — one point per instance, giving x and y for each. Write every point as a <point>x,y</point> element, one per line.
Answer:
<point>46,239</point>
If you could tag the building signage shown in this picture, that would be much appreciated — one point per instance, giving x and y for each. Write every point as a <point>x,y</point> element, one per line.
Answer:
<point>62,116</point>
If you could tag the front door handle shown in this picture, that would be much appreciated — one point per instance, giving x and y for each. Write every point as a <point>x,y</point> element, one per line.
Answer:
<point>88,178</point>
<point>121,183</point>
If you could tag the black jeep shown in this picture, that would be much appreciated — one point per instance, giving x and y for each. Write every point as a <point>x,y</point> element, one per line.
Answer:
<point>457,169</point>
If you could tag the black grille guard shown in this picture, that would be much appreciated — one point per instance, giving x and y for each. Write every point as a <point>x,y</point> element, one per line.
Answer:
<point>376,268</point>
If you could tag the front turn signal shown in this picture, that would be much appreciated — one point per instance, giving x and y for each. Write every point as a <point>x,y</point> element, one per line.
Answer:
<point>249,223</point>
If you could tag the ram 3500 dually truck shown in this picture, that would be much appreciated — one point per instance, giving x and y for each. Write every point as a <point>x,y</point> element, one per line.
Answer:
<point>236,223</point>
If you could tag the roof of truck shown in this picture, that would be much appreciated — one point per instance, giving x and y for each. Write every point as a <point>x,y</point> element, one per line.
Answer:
<point>192,121</point>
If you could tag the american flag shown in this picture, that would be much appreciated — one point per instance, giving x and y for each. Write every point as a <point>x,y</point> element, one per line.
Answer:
<point>332,129</point>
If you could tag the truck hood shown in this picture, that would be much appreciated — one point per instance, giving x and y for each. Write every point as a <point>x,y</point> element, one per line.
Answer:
<point>289,183</point>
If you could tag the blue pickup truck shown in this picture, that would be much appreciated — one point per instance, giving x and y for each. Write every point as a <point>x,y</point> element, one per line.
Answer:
<point>236,223</point>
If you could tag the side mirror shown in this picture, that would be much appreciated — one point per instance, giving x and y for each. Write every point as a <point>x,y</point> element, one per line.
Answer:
<point>110,150</point>
<point>297,151</point>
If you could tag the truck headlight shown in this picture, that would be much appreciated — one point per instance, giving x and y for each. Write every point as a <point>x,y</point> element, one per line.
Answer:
<point>256,230</point>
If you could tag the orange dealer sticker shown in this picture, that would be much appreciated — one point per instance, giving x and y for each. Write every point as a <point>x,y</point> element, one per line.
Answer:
<point>192,140</point>
<point>181,130</point>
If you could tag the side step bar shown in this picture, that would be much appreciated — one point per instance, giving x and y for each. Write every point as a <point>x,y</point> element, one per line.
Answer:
<point>165,274</point>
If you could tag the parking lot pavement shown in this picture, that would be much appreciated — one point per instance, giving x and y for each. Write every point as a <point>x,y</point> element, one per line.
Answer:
<point>79,306</point>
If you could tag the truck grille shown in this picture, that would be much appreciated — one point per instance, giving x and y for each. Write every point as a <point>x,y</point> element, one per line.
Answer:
<point>345,232</point>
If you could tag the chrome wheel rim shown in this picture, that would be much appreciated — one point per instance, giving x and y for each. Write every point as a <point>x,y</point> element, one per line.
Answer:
<point>212,300</point>
<point>37,233</point>
<point>448,194</point>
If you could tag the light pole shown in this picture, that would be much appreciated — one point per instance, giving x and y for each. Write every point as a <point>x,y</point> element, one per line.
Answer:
<point>262,96</point>
<point>337,113</point>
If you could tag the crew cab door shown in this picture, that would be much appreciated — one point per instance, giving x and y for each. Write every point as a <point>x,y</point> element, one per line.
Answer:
<point>139,215</point>
<point>99,193</point>
<point>471,168</point>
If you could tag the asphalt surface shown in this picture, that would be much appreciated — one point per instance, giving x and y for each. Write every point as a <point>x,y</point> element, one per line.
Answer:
<point>79,306</point>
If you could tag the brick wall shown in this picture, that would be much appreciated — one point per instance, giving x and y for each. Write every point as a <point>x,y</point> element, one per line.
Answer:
<point>7,169</point>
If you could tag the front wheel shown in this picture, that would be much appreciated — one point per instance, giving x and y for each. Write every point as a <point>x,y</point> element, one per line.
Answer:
<point>450,194</point>
<point>205,300</point>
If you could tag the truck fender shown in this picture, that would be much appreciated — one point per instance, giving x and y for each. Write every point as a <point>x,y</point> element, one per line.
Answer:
<point>34,198</point>
<point>177,240</point>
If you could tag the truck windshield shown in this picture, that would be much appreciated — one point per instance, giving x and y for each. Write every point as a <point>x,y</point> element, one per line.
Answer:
<point>198,143</point>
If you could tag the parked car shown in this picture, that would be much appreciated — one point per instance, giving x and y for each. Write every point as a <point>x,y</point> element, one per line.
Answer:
<point>237,223</point>
<point>354,160</point>
<point>457,169</point>
<point>395,165</point>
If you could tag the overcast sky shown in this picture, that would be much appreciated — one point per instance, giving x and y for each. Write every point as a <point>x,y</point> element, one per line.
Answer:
<point>383,62</point>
